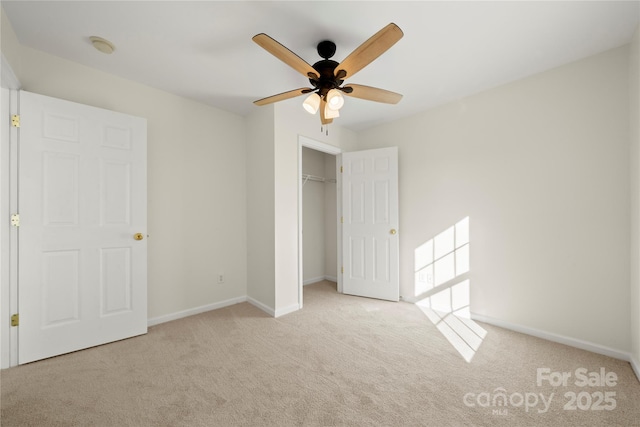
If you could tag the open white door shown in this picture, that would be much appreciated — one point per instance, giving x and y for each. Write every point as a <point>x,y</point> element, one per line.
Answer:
<point>370,223</point>
<point>82,199</point>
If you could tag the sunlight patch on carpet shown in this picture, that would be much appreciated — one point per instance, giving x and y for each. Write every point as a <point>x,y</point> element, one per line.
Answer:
<point>456,326</point>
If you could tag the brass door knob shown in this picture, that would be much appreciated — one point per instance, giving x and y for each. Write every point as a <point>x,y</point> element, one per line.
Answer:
<point>138,236</point>
<point>393,231</point>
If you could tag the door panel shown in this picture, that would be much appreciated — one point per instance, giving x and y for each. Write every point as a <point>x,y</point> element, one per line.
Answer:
<point>82,197</point>
<point>60,287</point>
<point>370,222</point>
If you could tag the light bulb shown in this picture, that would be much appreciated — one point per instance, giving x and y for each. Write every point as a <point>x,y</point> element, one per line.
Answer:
<point>335,100</point>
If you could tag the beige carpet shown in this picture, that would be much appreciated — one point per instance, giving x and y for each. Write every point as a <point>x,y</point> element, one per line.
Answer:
<point>341,361</point>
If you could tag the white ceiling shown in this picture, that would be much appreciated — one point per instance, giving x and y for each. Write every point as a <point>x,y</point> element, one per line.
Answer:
<point>203,49</point>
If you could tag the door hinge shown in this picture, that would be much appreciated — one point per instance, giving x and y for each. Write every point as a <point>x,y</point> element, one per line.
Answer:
<point>15,320</point>
<point>341,220</point>
<point>340,169</point>
<point>342,270</point>
<point>15,220</point>
<point>15,120</point>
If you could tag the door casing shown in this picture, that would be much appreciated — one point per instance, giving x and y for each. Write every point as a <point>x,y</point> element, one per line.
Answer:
<point>8,233</point>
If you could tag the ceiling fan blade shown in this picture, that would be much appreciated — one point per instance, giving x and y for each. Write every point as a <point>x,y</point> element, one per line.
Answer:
<point>373,94</point>
<point>282,96</point>
<point>323,119</point>
<point>368,51</point>
<point>285,55</point>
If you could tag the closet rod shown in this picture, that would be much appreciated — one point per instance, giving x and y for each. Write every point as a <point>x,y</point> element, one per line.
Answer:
<point>307,177</point>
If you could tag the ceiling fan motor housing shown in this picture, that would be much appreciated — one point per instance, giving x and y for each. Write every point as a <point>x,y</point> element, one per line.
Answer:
<point>327,79</point>
<point>325,68</point>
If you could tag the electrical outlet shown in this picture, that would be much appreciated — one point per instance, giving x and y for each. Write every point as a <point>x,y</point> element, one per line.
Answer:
<point>220,277</point>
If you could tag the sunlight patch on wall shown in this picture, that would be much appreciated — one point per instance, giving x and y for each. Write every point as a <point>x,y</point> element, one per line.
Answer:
<point>442,286</point>
<point>442,258</point>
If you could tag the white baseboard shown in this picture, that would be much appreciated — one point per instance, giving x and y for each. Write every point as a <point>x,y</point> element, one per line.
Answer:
<point>636,366</point>
<point>319,279</point>
<point>313,280</point>
<point>549,336</point>
<point>287,310</point>
<point>270,311</point>
<point>202,309</point>
<point>197,310</point>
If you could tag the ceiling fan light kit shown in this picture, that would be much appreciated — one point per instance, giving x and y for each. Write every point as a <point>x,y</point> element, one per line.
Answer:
<point>327,76</point>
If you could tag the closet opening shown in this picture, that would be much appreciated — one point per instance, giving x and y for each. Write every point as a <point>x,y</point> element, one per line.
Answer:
<point>318,207</point>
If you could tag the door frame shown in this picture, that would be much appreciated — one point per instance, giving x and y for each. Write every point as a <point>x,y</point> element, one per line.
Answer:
<point>8,206</point>
<point>304,141</point>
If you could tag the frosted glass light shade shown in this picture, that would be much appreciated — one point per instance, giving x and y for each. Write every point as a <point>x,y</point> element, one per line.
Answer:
<point>329,113</point>
<point>312,103</point>
<point>335,100</point>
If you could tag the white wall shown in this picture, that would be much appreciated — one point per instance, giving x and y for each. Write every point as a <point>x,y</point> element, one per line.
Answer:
<point>196,174</point>
<point>540,167</point>
<point>261,209</point>
<point>9,42</point>
<point>634,114</point>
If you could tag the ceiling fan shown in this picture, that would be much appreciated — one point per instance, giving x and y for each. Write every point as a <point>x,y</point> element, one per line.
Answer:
<point>327,76</point>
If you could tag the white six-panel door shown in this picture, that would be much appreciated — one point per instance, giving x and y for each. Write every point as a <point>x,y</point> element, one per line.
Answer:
<point>82,198</point>
<point>370,223</point>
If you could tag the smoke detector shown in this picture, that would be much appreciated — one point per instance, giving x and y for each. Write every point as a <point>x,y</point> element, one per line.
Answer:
<point>103,45</point>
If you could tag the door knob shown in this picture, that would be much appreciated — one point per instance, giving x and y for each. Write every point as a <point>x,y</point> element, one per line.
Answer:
<point>393,231</point>
<point>138,236</point>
